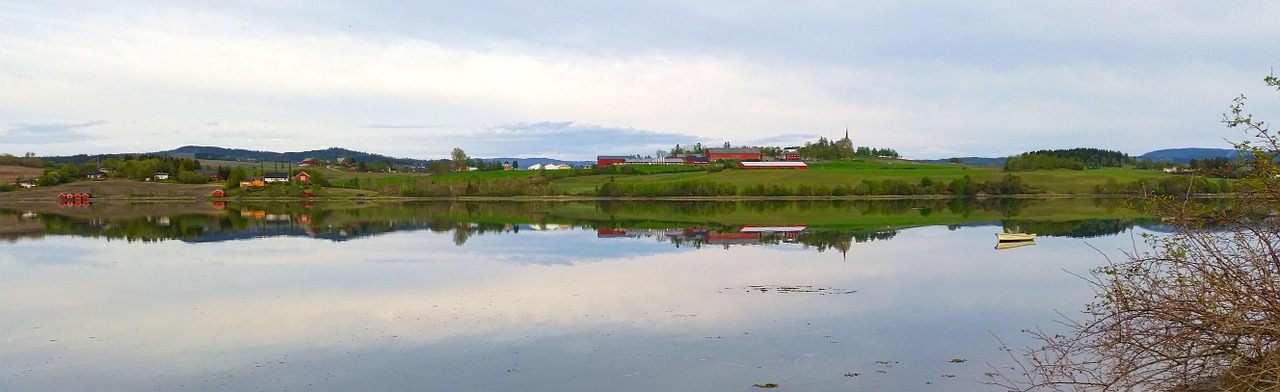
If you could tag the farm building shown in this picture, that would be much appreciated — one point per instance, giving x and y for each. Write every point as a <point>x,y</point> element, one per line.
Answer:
<point>219,193</point>
<point>773,165</point>
<point>94,174</point>
<point>302,176</point>
<point>733,154</point>
<point>603,160</point>
<point>252,182</point>
<point>790,154</point>
<point>275,177</point>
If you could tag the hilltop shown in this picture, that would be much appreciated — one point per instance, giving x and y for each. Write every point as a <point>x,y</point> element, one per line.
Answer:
<point>328,154</point>
<point>1175,155</point>
<point>1185,155</point>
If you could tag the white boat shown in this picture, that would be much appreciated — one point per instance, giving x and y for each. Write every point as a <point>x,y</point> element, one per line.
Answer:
<point>1015,237</point>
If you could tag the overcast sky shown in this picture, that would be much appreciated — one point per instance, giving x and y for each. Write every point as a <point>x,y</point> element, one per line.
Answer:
<point>574,79</point>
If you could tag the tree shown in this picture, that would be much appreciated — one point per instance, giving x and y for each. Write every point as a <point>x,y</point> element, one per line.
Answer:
<point>237,174</point>
<point>1200,311</point>
<point>515,165</point>
<point>439,168</point>
<point>459,159</point>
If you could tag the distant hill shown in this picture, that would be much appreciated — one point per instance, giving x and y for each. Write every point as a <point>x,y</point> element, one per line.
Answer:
<point>526,162</point>
<point>235,154</point>
<point>1184,155</point>
<point>1176,155</point>
<point>229,154</point>
<point>329,154</point>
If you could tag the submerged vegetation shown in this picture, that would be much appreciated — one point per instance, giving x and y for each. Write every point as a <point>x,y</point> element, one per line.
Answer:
<point>1201,311</point>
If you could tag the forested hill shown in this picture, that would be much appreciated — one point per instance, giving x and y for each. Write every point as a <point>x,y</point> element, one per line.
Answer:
<point>329,154</point>
<point>235,154</point>
<point>1185,155</point>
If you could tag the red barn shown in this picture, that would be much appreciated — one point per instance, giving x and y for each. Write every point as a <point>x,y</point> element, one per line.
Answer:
<point>302,176</point>
<point>604,160</point>
<point>219,193</point>
<point>733,154</point>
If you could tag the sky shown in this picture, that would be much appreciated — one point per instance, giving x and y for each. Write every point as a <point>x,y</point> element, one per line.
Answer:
<point>579,78</point>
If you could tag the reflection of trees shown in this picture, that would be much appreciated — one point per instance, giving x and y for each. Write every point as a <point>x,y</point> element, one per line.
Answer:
<point>1082,228</point>
<point>841,240</point>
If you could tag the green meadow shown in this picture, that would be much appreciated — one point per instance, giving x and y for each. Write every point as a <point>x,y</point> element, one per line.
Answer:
<point>854,172</point>
<point>830,174</point>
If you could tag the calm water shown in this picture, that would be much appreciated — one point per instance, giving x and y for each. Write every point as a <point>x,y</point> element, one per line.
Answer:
<point>527,298</point>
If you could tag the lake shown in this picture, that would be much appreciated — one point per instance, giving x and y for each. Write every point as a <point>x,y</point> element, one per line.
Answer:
<point>541,296</point>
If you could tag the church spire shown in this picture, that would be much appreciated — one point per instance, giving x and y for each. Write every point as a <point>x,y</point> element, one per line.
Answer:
<point>846,132</point>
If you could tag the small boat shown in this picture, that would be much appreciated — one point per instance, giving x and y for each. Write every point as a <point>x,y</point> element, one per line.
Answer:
<point>1015,237</point>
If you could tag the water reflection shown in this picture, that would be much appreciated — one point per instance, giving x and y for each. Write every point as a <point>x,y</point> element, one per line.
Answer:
<point>820,225</point>
<point>539,296</point>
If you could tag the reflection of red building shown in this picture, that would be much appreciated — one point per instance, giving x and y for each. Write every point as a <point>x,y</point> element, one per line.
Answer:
<point>608,233</point>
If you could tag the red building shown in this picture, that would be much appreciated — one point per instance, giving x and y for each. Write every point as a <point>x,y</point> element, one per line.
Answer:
<point>604,160</point>
<point>302,177</point>
<point>219,193</point>
<point>733,154</point>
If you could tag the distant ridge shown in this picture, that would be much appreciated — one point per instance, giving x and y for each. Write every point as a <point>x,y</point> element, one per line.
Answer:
<point>1176,155</point>
<point>1184,155</point>
<point>525,163</point>
<point>233,154</point>
<point>328,154</point>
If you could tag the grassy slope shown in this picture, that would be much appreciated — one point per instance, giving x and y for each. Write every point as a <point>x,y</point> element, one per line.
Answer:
<point>853,173</point>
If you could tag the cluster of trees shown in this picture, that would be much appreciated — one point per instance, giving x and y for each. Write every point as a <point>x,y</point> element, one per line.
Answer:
<point>695,149</point>
<point>825,149</point>
<point>1071,159</point>
<point>134,167</point>
<point>1218,167</point>
<point>143,167</point>
<point>1033,161</point>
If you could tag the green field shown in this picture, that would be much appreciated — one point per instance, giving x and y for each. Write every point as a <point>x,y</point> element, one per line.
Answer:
<point>853,173</point>
<point>828,174</point>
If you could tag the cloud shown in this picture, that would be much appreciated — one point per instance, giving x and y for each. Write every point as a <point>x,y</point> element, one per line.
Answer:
<point>569,140</point>
<point>393,126</point>
<point>48,133</point>
<point>977,78</point>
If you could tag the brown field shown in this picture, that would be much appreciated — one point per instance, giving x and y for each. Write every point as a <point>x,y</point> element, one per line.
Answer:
<point>8,174</point>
